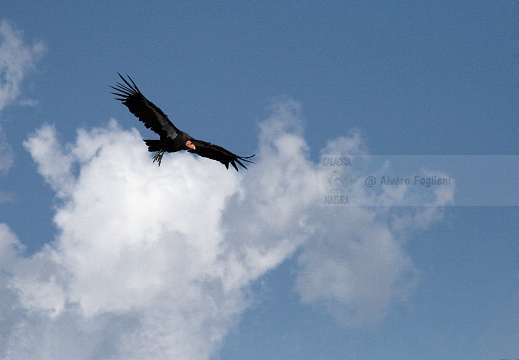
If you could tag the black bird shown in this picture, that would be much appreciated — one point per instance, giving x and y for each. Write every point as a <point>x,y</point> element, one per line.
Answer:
<point>171,138</point>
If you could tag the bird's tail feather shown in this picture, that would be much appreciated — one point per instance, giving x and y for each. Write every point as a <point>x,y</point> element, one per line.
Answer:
<point>153,145</point>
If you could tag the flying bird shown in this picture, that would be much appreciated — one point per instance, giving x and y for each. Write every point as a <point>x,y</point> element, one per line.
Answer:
<point>171,138</point>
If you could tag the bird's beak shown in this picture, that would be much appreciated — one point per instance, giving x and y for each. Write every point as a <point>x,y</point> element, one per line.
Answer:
<point>190,145</point>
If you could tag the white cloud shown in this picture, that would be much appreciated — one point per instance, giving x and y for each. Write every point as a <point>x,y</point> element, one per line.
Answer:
<point>153,262</point>
<point>356,268</point>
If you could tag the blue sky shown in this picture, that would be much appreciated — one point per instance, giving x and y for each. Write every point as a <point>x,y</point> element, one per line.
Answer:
<point>104,255</point>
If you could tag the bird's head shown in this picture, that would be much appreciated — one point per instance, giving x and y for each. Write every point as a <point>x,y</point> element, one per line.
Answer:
<point>190,145</point>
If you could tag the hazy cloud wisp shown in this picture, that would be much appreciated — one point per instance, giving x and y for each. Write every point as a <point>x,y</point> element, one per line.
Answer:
<point>16,59</point>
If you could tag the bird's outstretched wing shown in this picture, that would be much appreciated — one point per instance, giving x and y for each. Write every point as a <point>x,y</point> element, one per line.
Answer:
<point>147,112</point>
<point>218,153</point>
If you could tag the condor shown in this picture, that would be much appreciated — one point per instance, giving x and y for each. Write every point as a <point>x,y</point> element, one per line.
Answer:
<point>171,138</point>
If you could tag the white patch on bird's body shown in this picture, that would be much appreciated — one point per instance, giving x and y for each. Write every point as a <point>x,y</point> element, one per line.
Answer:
<point>165,124</point>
